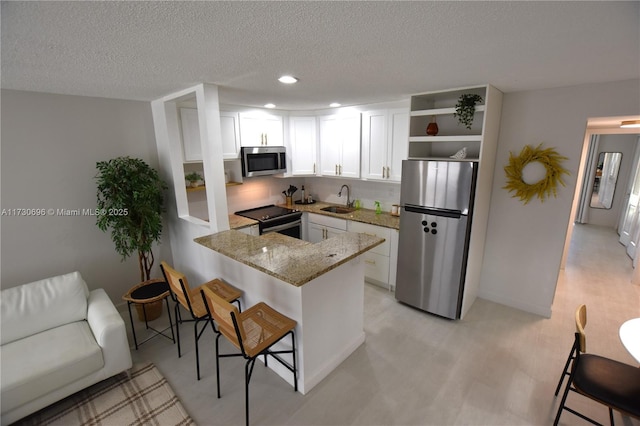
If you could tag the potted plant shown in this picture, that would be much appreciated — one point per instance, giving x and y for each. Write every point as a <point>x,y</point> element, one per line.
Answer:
<point>466,107</point>
<point>130,202</point>
<point>193,178</point>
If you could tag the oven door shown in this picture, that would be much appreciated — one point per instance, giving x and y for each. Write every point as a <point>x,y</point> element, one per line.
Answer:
<point>292,229</point>
<point>263,161</point>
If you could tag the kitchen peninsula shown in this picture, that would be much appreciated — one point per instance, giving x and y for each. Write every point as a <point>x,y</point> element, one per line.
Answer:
<point>320,286</point>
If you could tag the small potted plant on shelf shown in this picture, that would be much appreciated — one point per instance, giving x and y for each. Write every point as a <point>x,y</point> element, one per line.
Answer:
<point>466,107</point>
<point>193,178</point>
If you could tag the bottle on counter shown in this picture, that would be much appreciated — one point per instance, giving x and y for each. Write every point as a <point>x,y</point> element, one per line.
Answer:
<point>303,198</point>
<point>378,208</point>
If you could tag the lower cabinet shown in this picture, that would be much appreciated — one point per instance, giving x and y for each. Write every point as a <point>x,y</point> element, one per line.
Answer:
<point>324,227</point>
<point>377,269</point>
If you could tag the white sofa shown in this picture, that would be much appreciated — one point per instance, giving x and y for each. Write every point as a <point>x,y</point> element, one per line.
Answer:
<point>57,338</point>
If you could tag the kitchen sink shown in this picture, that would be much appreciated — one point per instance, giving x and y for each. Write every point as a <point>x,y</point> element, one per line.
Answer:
<point>338,209</point>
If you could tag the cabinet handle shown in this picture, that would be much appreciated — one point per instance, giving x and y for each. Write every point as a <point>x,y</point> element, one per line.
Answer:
<point>340,168</point>
<point>383,170</point>
<point>336,170</point>
<point>314,168</point>
<point>370,262</point>
<point>388,172</point>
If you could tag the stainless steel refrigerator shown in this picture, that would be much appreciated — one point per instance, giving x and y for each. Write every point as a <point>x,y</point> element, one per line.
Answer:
<point>436,205</point>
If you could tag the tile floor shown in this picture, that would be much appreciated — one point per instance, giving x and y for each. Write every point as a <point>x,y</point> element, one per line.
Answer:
<point>499,366</point>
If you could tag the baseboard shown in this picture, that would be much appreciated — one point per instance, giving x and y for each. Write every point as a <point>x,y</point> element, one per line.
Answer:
<point>544,311</point>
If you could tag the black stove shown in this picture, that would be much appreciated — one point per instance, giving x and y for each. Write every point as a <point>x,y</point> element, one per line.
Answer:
<point>275,219</point>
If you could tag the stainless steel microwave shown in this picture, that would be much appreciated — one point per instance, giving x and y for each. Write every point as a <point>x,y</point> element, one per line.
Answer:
<point>263,160</point>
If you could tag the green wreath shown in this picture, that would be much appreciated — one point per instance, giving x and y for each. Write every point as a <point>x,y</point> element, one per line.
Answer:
<point>545,187</point>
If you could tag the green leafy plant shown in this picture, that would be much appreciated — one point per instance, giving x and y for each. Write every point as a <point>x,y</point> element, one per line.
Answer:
<point>130,203</point>
<point>193,177</point>
<point>466,107</point>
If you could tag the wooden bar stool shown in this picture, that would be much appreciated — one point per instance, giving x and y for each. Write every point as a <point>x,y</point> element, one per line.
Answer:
<point>190,299</point>
<point>253,332</point>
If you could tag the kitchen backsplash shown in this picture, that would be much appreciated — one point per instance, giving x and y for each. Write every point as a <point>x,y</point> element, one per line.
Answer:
<point>261,191</point>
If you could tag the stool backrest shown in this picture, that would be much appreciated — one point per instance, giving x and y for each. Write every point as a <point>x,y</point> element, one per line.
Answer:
<point>581,323</point>
<point>225,315</point>
<point>178,284</point>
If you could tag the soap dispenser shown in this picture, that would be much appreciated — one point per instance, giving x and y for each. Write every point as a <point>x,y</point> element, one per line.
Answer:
<point>378,209</point>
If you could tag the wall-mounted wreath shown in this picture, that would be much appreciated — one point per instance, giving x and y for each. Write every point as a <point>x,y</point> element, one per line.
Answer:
<point>544,187</point>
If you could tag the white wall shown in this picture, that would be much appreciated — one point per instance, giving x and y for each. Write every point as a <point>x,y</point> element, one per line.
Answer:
<point>50,146</point>
<point>524,244</point>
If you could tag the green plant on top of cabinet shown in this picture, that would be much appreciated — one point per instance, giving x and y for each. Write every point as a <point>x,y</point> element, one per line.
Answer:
<point>340,145</point>
<point>385,141</point>
<point>261,128</point>
<point>304,157</point>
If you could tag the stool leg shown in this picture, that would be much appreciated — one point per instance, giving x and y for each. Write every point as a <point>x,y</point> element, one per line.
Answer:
<point>133,329</point>
<point>173,337</point>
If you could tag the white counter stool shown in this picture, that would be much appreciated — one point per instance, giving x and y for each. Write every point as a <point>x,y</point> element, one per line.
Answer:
<point>191,300</point>
<point>253,332</point>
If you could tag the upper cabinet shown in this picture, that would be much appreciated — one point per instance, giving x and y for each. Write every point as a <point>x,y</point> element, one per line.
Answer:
<point>340,145</point>
<point>452,136</point>
<point>303,141</point>
<point>385,139</point>
<point>258,129</point>
<point>191,147</point>
<point>230,129</point>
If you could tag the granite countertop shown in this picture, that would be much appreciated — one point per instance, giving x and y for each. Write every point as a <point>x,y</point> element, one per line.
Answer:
<point>289,259</point>
<point>384,219</point>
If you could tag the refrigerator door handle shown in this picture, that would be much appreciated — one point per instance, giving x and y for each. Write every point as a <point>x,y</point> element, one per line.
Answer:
<point>456,214</point>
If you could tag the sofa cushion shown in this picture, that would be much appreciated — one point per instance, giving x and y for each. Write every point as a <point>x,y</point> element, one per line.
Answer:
<point>38,364</point>
<point>31,308</point>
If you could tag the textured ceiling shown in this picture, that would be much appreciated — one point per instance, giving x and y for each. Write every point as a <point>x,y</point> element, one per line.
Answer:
<point>349,52</point>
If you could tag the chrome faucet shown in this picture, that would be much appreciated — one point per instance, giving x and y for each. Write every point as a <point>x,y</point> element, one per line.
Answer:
<point>349,202</point>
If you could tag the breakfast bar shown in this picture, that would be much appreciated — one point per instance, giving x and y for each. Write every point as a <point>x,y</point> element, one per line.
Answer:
<point>320,286</point>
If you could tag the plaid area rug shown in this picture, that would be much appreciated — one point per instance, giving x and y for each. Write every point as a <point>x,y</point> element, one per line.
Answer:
<point>145,399</point>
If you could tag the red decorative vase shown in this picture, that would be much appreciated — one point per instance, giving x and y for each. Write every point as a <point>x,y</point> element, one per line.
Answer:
<point>432,129</point>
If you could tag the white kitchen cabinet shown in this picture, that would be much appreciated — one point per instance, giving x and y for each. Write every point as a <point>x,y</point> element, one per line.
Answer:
<point>340,145</point>
<point>322,227</point>
<point>385,141</point>
<point>230,129</point>
<point>258,129</point>
<point>191,145</point>
<point>377,260</point>
<point>303,140</point>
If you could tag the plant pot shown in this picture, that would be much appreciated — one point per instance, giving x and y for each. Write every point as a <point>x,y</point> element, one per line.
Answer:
<point>194,184</point>
<point>154,310</point>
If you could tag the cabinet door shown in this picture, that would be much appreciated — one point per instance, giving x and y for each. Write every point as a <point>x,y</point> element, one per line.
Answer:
<point>303,145</point>
<point>330,146</point>
<point>316,232</point>
<point>350,154</point>
<point>261,129</point>
<point>398,148</point>
<point>332,232</point>
<point>374,144</point>
<point>273,130</point>
<point>191,146</point>
<point>230,129</point>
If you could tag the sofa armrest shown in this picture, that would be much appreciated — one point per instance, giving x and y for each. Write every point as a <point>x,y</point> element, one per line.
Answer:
<point>109,330</point>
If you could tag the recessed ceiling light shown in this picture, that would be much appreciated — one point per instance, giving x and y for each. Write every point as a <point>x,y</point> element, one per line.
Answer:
<point>334,105</point>
<point>269,105</point>
<point>630,124</point>
<point>287,79</point>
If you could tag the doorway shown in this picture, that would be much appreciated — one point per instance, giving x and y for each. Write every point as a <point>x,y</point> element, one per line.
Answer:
<point>599,127</point>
